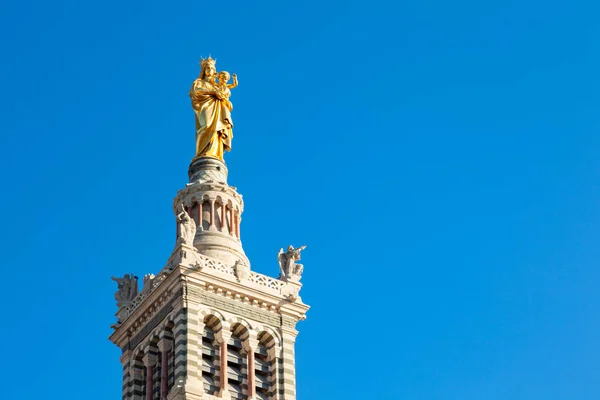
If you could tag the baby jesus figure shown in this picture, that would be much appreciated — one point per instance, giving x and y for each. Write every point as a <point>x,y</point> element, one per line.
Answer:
<point>225,87</point>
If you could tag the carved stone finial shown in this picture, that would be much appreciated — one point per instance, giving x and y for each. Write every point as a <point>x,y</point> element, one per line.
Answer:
<point>290,270</point>
<point>127,289</point>
<point>242,271</point>
<point>148,281</point>
<point>292,297</point>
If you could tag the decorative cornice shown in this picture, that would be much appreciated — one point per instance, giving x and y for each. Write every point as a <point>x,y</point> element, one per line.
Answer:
<point>254,289</point>
<point>235,305</point>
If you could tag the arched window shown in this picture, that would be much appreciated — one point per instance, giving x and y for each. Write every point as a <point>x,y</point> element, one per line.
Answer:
<point>264,367</point>
<point>170,354</point>
<point>195,213</point>
<point>210,355</point>
<point>156,369</point>
<point>205,214</point>
<point>139,377</point>
<point>237,372</point>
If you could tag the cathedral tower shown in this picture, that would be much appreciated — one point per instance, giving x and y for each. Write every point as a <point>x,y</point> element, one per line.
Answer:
<point>206,326</point>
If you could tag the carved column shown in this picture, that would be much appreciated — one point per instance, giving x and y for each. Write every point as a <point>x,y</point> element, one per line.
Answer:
<point>164,346</point>
<point>233,222</point>
<point>200,214</point>
<point>223,337</point>
<point>149,381</point>
<point>149,362</point>
<point>211,225</point>
<point>223,217</point>
<point>251,345</point>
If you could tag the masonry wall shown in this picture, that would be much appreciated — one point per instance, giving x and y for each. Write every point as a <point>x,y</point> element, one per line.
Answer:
<point>164,358</point>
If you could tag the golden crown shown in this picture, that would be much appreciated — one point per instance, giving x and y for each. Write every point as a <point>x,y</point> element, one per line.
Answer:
<point>207,61</point>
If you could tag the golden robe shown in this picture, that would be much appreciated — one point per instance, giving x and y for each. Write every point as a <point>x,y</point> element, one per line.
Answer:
<point>214,126</point>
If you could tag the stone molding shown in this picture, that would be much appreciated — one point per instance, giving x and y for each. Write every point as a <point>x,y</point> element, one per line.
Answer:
<point>234,306</point>
<point>187,285</point>
<point>189,259</point>
<point>208,191</point>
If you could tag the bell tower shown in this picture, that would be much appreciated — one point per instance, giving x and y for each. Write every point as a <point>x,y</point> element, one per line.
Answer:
<point>206,326</point>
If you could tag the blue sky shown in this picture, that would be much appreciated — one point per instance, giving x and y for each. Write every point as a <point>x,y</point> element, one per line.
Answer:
<point>439,159</point>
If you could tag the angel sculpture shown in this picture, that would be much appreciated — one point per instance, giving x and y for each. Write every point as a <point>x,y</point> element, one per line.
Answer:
<point>127,289</point>
<point>290,270</point>
<point>187,227</point>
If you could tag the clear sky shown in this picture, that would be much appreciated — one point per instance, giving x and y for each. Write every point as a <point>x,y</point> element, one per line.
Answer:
<point>439,159</point>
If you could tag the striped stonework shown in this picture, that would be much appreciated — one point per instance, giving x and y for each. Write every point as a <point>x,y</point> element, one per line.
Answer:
<point>265,360</point>
<point>207,343</point>
<point>288,379</point>
<point>200,336</point>
<point>237,368</point>
<point>210,361</point>
<point>171,370</point>
<point>156,377</point>
<point>127,377</point>
<point>280,389</point>
<point>194,346</point>
<point>180,346</point>
<point>138,373</point>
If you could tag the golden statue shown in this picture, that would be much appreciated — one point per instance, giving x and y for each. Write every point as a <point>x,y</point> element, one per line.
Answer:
<point>210,101</point>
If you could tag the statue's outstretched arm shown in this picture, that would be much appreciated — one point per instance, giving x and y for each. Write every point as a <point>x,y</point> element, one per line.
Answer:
<point>235,82</point>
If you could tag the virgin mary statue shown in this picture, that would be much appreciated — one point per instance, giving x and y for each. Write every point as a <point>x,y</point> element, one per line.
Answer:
<point>214,126</point>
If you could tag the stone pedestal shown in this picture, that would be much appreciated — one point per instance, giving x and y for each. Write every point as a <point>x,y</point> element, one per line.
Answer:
<point>207,169</point>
